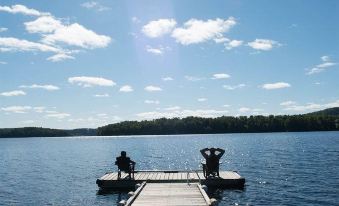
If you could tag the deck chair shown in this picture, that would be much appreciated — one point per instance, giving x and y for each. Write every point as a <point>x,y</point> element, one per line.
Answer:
<point>125,165</point>
<point>210,170</point>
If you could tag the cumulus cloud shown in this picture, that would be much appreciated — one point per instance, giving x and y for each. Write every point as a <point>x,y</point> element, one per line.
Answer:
<point>152,88</point>
<point>159,27</point>
<point>47,87</point>
<point>167,79</point>
<point>13,93</point>
<point>86,81</point>
<point>77,35</point>
<point>126,88</point>
<point>221,76</point>
<point>278,85</point>
<point>16,109</point>
<point>310,106</point>
<point>147,101</point>
<point>263,44</point>
<point>230,87</point>
<point>233,44</point>
<point>21,9</point>
<point>244,109</point>
<point>197,31</point>
<point>14,44</point>
<point>254,111</point>
<point>44,24</point>
<point>326,63</point>
<point>56,36</point>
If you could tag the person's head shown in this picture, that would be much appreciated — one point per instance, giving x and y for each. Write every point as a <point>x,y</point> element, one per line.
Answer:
<point>123,153</point>
<point>212,150</point>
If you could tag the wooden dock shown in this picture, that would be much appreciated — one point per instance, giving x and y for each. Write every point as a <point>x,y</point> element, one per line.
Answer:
<point>168,194</point>
<point>228,179</point>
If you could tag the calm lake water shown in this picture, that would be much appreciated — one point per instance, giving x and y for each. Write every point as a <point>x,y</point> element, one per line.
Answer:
<point>280,168</point>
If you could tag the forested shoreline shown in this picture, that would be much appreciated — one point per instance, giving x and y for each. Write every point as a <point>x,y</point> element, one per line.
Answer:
<point>324,120</point>
<point>224,124</point>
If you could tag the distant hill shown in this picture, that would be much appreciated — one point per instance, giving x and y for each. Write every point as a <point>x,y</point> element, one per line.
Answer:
<point>324,120</point>
<point>44,132</point>
<point>330,111</point>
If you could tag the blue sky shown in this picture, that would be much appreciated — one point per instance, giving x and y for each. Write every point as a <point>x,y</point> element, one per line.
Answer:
<point>72,64</point>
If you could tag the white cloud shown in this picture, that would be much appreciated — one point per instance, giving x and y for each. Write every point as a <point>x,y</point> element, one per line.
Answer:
<point>287,103</point>
<point>126,88</point>
<point>156,51</point>
<point>321,67</point>
<point>310,106</point>
<point>77,35</point>
<point>135,20</point>
<point>59,57</point>
<point>58,115</point>
<point>91,81</point>
<point>39,109</point>
<point>13,93</point>
<point>244,109</point>
<point>151,101</point>
<point>27,122</point>
<point>232,44</point>
<point>21,9</point>
<point>230,87</point>
<point>226,105</point>
<point>16,109</point>
<point>263,44</point>
<point>94,5</point>
<point>325,58</point>
<point>152,88</point>
<point>47,87</point>
<point>167,79</point>
<point>278,85</point>
<point>2,29</point>
<point>44,24</point>
<point>221,76</point>
<point>13,44</point>
<point>172,108</point>
<point>3,62</point>
<point>197,31</point>
<point>221,40</point>
<point>182,113</point>
<point>201,99</point>
<point>101,95</point>
<point>193,79</point>
<point>159,27</point>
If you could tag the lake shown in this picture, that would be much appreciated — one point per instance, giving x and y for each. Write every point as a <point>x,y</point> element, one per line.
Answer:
<point>280,168</point>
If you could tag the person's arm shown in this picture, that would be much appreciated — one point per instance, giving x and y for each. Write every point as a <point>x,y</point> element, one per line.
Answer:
<point>203,152</point>
<point>132,162</point>
<point>221,152</point>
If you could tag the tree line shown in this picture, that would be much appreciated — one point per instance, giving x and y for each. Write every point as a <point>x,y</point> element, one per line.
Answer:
<point>224,124</point>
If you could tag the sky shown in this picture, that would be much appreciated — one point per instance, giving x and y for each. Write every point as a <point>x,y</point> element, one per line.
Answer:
<point>75,64</point>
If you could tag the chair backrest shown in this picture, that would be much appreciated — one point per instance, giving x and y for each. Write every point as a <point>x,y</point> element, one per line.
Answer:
<point>123,163</point>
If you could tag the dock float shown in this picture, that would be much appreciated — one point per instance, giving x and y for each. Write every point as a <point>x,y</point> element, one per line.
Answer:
<point>168,194</point>
<point>228,179</point>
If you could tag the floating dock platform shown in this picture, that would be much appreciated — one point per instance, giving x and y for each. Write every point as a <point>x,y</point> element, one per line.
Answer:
<point>228,179</point>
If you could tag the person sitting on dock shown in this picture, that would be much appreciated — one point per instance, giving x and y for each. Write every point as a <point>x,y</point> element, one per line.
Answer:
<point>212,161</point>
<point>125,164</point>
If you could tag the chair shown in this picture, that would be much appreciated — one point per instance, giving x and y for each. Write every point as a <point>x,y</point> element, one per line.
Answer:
<point>125,165</point>
<point>210,169</point>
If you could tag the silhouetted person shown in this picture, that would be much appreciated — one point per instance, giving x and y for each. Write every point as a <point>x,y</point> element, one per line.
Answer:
<point>212,160</point>
<point>125,164</point>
